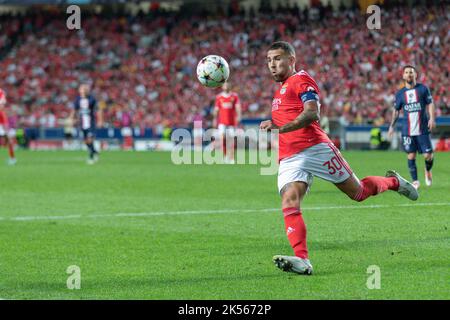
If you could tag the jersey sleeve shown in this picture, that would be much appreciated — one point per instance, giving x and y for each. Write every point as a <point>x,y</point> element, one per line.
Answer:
<point>397,102</point>
<point>306,89</point>
<point>309,96</point>
<point>428,97</point>
<point>236,100</point>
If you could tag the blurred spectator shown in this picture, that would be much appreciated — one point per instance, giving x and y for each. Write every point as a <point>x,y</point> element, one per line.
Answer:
<point>443,145</point>
<point>146,64</point>
<point>69,127</point>
<point>376,140</point>
<point>343,122</point>
<point>325,121</point>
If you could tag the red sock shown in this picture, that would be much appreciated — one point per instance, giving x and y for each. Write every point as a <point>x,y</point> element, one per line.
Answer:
<point>296,231</point>
<point>371,186</point>
<point>11,150</point>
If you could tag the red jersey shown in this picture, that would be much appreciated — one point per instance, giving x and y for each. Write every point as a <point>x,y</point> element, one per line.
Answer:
<point>3,117</point>
<point>287,104</point>
<point>226,103</point>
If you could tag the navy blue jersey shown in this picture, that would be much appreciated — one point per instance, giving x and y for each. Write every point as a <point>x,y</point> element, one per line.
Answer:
<point>414,104</point>
<point>86,108</point>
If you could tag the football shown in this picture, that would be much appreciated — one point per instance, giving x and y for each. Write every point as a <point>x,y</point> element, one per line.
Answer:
<point>213,71</point>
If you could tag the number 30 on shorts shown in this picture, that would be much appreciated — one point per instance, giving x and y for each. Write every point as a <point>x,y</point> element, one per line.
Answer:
<point>333,165</point>
<point>406,141</point>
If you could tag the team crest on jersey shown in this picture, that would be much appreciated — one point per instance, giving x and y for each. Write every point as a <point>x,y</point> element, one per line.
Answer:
<point>283,89</point>
<point>411,96</point>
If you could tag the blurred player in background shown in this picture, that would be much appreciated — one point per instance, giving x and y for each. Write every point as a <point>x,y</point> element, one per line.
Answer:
<point>5,133</point>
<point>227,115</point>
<point>306,151</point>
<point>414,99</point>
<point>85,106</point>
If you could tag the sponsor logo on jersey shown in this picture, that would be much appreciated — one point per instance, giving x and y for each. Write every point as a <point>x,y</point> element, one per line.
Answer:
<point>413,107</point>
<point>411,96</point>
<point>276,103</point>
<point>84,105</point>
<point>227,105</point>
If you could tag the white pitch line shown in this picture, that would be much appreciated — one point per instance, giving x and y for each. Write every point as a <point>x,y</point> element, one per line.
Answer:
<point>192,212</point>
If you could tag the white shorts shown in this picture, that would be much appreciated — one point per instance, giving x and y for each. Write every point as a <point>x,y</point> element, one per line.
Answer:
<point>322,160</point>
<point>12,133</point>
<point>223,128</point>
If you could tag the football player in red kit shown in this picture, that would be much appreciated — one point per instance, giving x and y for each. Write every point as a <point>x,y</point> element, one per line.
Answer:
<point>227,115</point>
<point>306,151</point>
<point>4,129</point>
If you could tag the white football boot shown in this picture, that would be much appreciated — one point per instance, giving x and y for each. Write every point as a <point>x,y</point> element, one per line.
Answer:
<point>428,178</point>
<point>293,264</point>
<point>405,188</point>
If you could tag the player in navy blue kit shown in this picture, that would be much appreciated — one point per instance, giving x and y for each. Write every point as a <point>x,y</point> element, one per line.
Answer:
<point>415,99</point>
<point>85,106</point>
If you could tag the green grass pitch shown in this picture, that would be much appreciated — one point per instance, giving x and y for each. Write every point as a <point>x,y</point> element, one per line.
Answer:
<point>140,227</point>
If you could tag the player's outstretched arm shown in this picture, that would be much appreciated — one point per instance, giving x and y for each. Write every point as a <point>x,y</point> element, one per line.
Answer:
<point>215,113</point>
<point>100,118</point>
<point>310,114</point>
<point>395,115</point>
<point>72,116</point>
<point>238,112</point>
<point>432,112</point>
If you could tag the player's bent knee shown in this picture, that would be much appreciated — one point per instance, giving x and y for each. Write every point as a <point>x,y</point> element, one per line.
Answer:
<point>290,200</point>
<point>351,187</point>
<point>290,203</point>
<point>292,193</point>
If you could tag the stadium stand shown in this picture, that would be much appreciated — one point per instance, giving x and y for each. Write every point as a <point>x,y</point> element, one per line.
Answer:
<point>143,66</point>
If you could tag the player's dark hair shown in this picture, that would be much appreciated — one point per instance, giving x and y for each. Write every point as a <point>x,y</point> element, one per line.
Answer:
<point>285,46</point>
<point>409,66</point>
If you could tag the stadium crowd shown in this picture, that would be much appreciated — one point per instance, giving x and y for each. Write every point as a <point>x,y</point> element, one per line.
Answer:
<point>142,68</point>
